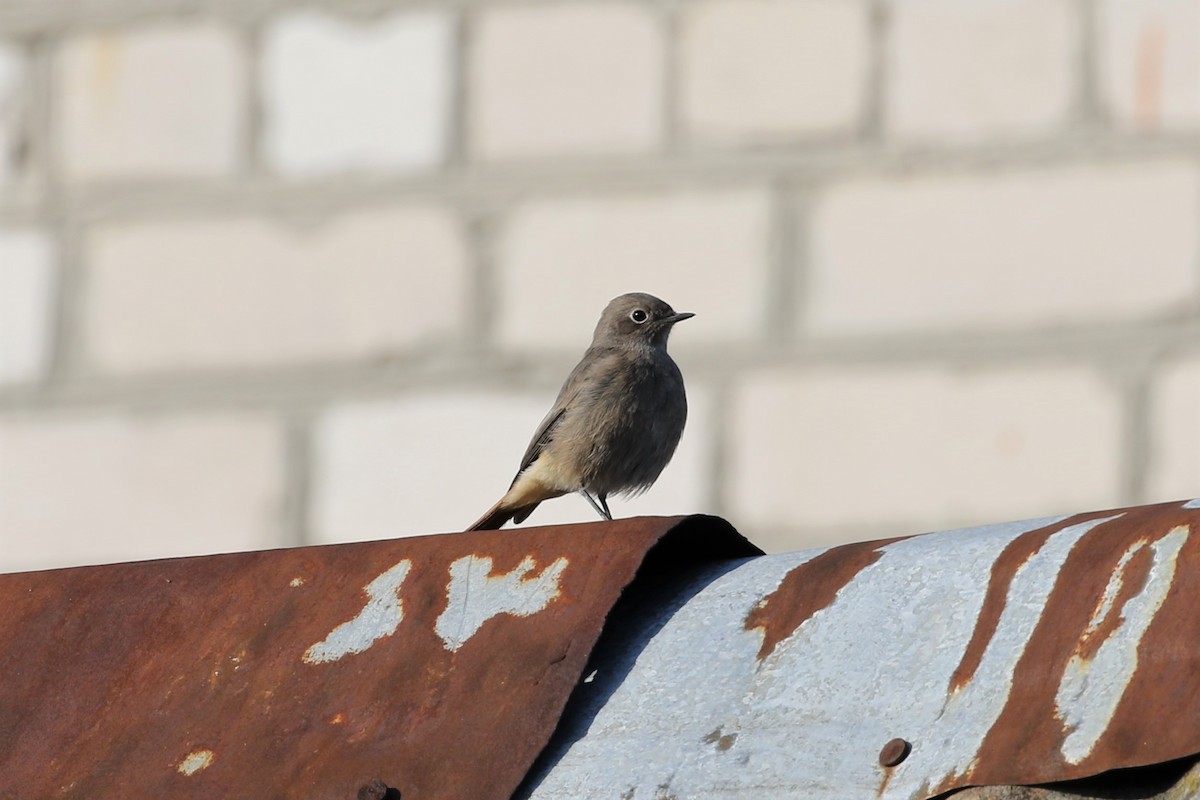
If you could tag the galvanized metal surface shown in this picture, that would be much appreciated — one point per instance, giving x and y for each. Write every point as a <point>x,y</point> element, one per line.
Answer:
<point>1020,653</point>
<point>436,665</point>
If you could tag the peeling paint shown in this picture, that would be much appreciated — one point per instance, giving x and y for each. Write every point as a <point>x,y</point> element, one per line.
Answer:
<point>196,761</point>
<point>474,595</point>
<point>1086,705</point>
<point>971,712</point>
<point>914,638</point>
<point>126,653</point>
<point>1115,585</point>
<point>380,617</point>
<point>954,641</point>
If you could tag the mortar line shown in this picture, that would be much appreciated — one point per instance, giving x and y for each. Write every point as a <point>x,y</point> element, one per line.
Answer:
<point>674,139</point>
<point>483,288</point>
<point>717,490</point>
<point>57,212</point>
<point>296,521</point>
<point>1135,433</point>
<point>22,17</point>
<point>459,121</point>
<point>252,148</point>
<point>875,92</point>
<point>501,183</point>
<point>1089,108</point>
<point>285,387</point>
<point>784,249</point>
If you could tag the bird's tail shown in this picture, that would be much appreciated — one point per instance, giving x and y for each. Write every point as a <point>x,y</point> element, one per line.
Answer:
<point>495,517</point>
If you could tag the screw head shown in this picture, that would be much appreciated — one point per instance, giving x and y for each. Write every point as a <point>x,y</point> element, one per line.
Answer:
<point>375,790</point>
<point>894,752</point>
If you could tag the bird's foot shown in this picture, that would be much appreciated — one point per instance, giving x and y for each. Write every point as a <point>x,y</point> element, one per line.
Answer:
<point>601,507</point>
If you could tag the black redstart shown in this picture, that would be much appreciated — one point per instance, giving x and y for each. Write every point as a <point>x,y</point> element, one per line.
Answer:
<point>616,421</point>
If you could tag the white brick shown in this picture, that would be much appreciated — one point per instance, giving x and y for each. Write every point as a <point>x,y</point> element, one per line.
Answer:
<point>562,260</point>
<point>581,78</point>
<point>1149,61</point>
<point>26,305</point>
<point>77,489</point>
<point>242,292</point>
<point>770,69</point>
<point>342,95</point>
<point>1005,250</point>
<point>1175,430</point>
<point>925,448</point>
<point>435,462</point>
<point>155,102</point>
<point>980,69</point>
<point>13,99</point>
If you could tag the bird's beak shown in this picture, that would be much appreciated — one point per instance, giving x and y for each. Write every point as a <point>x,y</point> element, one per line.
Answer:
<point>680,317</point>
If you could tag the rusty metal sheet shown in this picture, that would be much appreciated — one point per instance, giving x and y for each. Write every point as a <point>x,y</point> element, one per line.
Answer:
<point>436,665</point>
<point>1171,781</point>
<point>1020,653</point>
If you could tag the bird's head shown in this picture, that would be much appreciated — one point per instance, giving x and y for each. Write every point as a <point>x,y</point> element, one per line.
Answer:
<point>636,319</point>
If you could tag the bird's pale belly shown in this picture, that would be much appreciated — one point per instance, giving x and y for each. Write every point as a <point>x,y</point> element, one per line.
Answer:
<point>550,476</point>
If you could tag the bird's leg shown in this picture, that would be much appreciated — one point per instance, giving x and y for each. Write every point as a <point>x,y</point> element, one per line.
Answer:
<point>601,511</point>
<point>603,498</point>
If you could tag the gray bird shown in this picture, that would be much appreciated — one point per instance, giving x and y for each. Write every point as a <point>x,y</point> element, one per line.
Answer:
<point>616,421</point>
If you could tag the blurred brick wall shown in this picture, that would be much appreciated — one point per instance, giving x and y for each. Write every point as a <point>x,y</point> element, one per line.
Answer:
<point>276,272</point>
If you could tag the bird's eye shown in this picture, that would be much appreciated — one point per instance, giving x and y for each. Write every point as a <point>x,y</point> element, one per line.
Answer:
<point>638,316</point>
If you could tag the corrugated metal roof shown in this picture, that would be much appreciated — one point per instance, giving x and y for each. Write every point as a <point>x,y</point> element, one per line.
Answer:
<point>436,665</point>
<point>440,666</point>
<point>1009,654</point>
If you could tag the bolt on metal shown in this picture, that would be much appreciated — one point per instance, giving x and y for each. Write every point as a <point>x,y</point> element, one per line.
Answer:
<point>894,752</point>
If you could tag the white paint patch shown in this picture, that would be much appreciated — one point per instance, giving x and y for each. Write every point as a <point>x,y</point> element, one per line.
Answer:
<point>194,762</point>
<point>380,617</point>
<point>474,596</point>
<point>296,582</point>
<point>1192,503</point>
<point>1112,589</point>
<point>1091,689</point>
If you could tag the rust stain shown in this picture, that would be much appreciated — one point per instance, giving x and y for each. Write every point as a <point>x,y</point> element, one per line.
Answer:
<point>1010,560</point>
<point>1025,744</point>
<point>1134,574</point>
<point>723,741</point>
<point>1166,684</point>
<point>809,588</point>
<point>889,769</point>
<point>885,779</point>
<point>186,678</point>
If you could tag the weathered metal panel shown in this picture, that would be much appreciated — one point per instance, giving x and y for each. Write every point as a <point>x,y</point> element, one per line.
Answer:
<point>1173,781</point>
<point>436,665</point>
<point>1019,653</point>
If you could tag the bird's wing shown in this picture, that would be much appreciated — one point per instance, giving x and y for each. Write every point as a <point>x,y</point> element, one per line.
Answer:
<point>543,437</point>
<point>576,381</point>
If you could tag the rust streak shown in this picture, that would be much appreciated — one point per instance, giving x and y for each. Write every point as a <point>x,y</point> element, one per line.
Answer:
<point>1166,684</point>
<point>809,588</point>
<point>1133,579</point>
<point>1028,731</point>
<point>1011,559</point>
